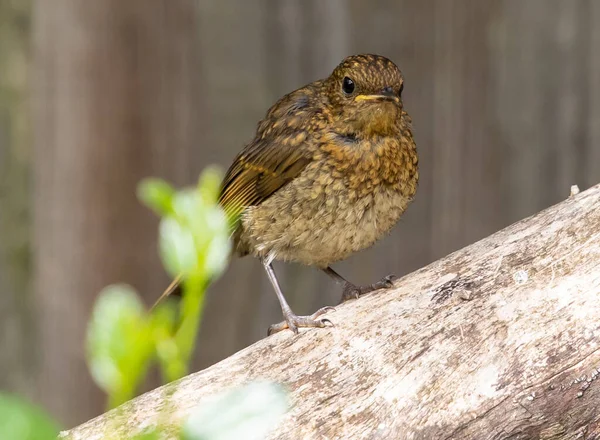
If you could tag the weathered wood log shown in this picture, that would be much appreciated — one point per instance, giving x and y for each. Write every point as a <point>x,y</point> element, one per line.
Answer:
<point>499,340</point>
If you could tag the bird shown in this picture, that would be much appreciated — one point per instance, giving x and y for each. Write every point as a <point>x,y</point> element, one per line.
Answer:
<point>331,169</point>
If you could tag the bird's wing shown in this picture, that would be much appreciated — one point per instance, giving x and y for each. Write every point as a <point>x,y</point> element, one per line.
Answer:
<point>272,159</point>
<point>275,156</point>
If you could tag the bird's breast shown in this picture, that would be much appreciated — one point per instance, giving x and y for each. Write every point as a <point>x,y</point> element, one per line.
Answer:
<point>347,198</point>
<point>365,164</point>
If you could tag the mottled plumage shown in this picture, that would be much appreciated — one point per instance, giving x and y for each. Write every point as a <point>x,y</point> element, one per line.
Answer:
<point>330,171</point>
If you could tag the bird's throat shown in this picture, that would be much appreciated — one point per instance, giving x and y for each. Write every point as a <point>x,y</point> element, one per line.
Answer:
<point>374,120</point>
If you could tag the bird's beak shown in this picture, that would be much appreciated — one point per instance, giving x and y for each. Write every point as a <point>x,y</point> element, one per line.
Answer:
<point>384,96</point>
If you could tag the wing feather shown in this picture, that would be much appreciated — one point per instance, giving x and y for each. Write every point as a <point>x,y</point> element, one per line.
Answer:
<point>275,156</point>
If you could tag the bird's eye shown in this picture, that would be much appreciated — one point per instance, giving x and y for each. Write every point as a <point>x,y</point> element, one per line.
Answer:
<point>401,88</point>
<point>348,86</point>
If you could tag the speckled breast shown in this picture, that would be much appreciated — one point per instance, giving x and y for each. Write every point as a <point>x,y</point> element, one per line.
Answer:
<point>337,206</point>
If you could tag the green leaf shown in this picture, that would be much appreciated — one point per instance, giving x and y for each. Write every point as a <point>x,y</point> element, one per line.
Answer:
<point>217,255</point>
<point>119,343</point>
<point>249,412</point>
<point>209,184</point>
<point>177,248</point>
<point>20,420</point>
<point>157,195</point>
<point>195,239</point>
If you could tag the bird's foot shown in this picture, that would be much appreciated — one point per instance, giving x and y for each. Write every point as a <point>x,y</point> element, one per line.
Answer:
<point>293,322</point>
<point>353,292</point>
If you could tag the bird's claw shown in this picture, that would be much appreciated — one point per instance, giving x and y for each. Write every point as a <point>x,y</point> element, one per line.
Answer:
<point>293,322</point>
<point>386,282</point>
<point>354,292</point>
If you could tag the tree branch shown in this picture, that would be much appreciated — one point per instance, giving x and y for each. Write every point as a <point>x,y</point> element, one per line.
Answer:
<point>498,340</point>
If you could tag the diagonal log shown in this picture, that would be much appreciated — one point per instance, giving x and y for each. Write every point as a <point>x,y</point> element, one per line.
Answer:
<point>499,340</point>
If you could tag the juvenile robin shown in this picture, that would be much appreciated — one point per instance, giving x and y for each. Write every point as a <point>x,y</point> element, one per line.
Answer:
<point>331,169</point>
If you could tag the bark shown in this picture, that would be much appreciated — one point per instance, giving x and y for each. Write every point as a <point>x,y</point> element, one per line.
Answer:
<point>498,340</point>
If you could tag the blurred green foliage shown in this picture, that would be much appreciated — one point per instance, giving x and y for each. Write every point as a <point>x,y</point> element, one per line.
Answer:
<point>119,343</point>
<point>21,421</point>
<point>124,338</point>
<point>249,412</point>
<point>193,231</point>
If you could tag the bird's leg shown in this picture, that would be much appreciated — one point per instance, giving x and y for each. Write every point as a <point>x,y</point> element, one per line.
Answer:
<point>351,291</point>
<point>292,321</point>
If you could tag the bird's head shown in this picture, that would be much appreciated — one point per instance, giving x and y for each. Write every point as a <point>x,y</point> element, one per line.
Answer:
<point>365,94</point>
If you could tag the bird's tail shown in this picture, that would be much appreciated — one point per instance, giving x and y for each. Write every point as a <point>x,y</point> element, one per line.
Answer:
<point>173,289</point>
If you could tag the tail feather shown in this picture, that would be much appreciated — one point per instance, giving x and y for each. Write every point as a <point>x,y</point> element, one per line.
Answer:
<point>173,289</point>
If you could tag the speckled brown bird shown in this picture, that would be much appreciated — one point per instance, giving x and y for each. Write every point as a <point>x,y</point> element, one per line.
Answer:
<point>330,171</point>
